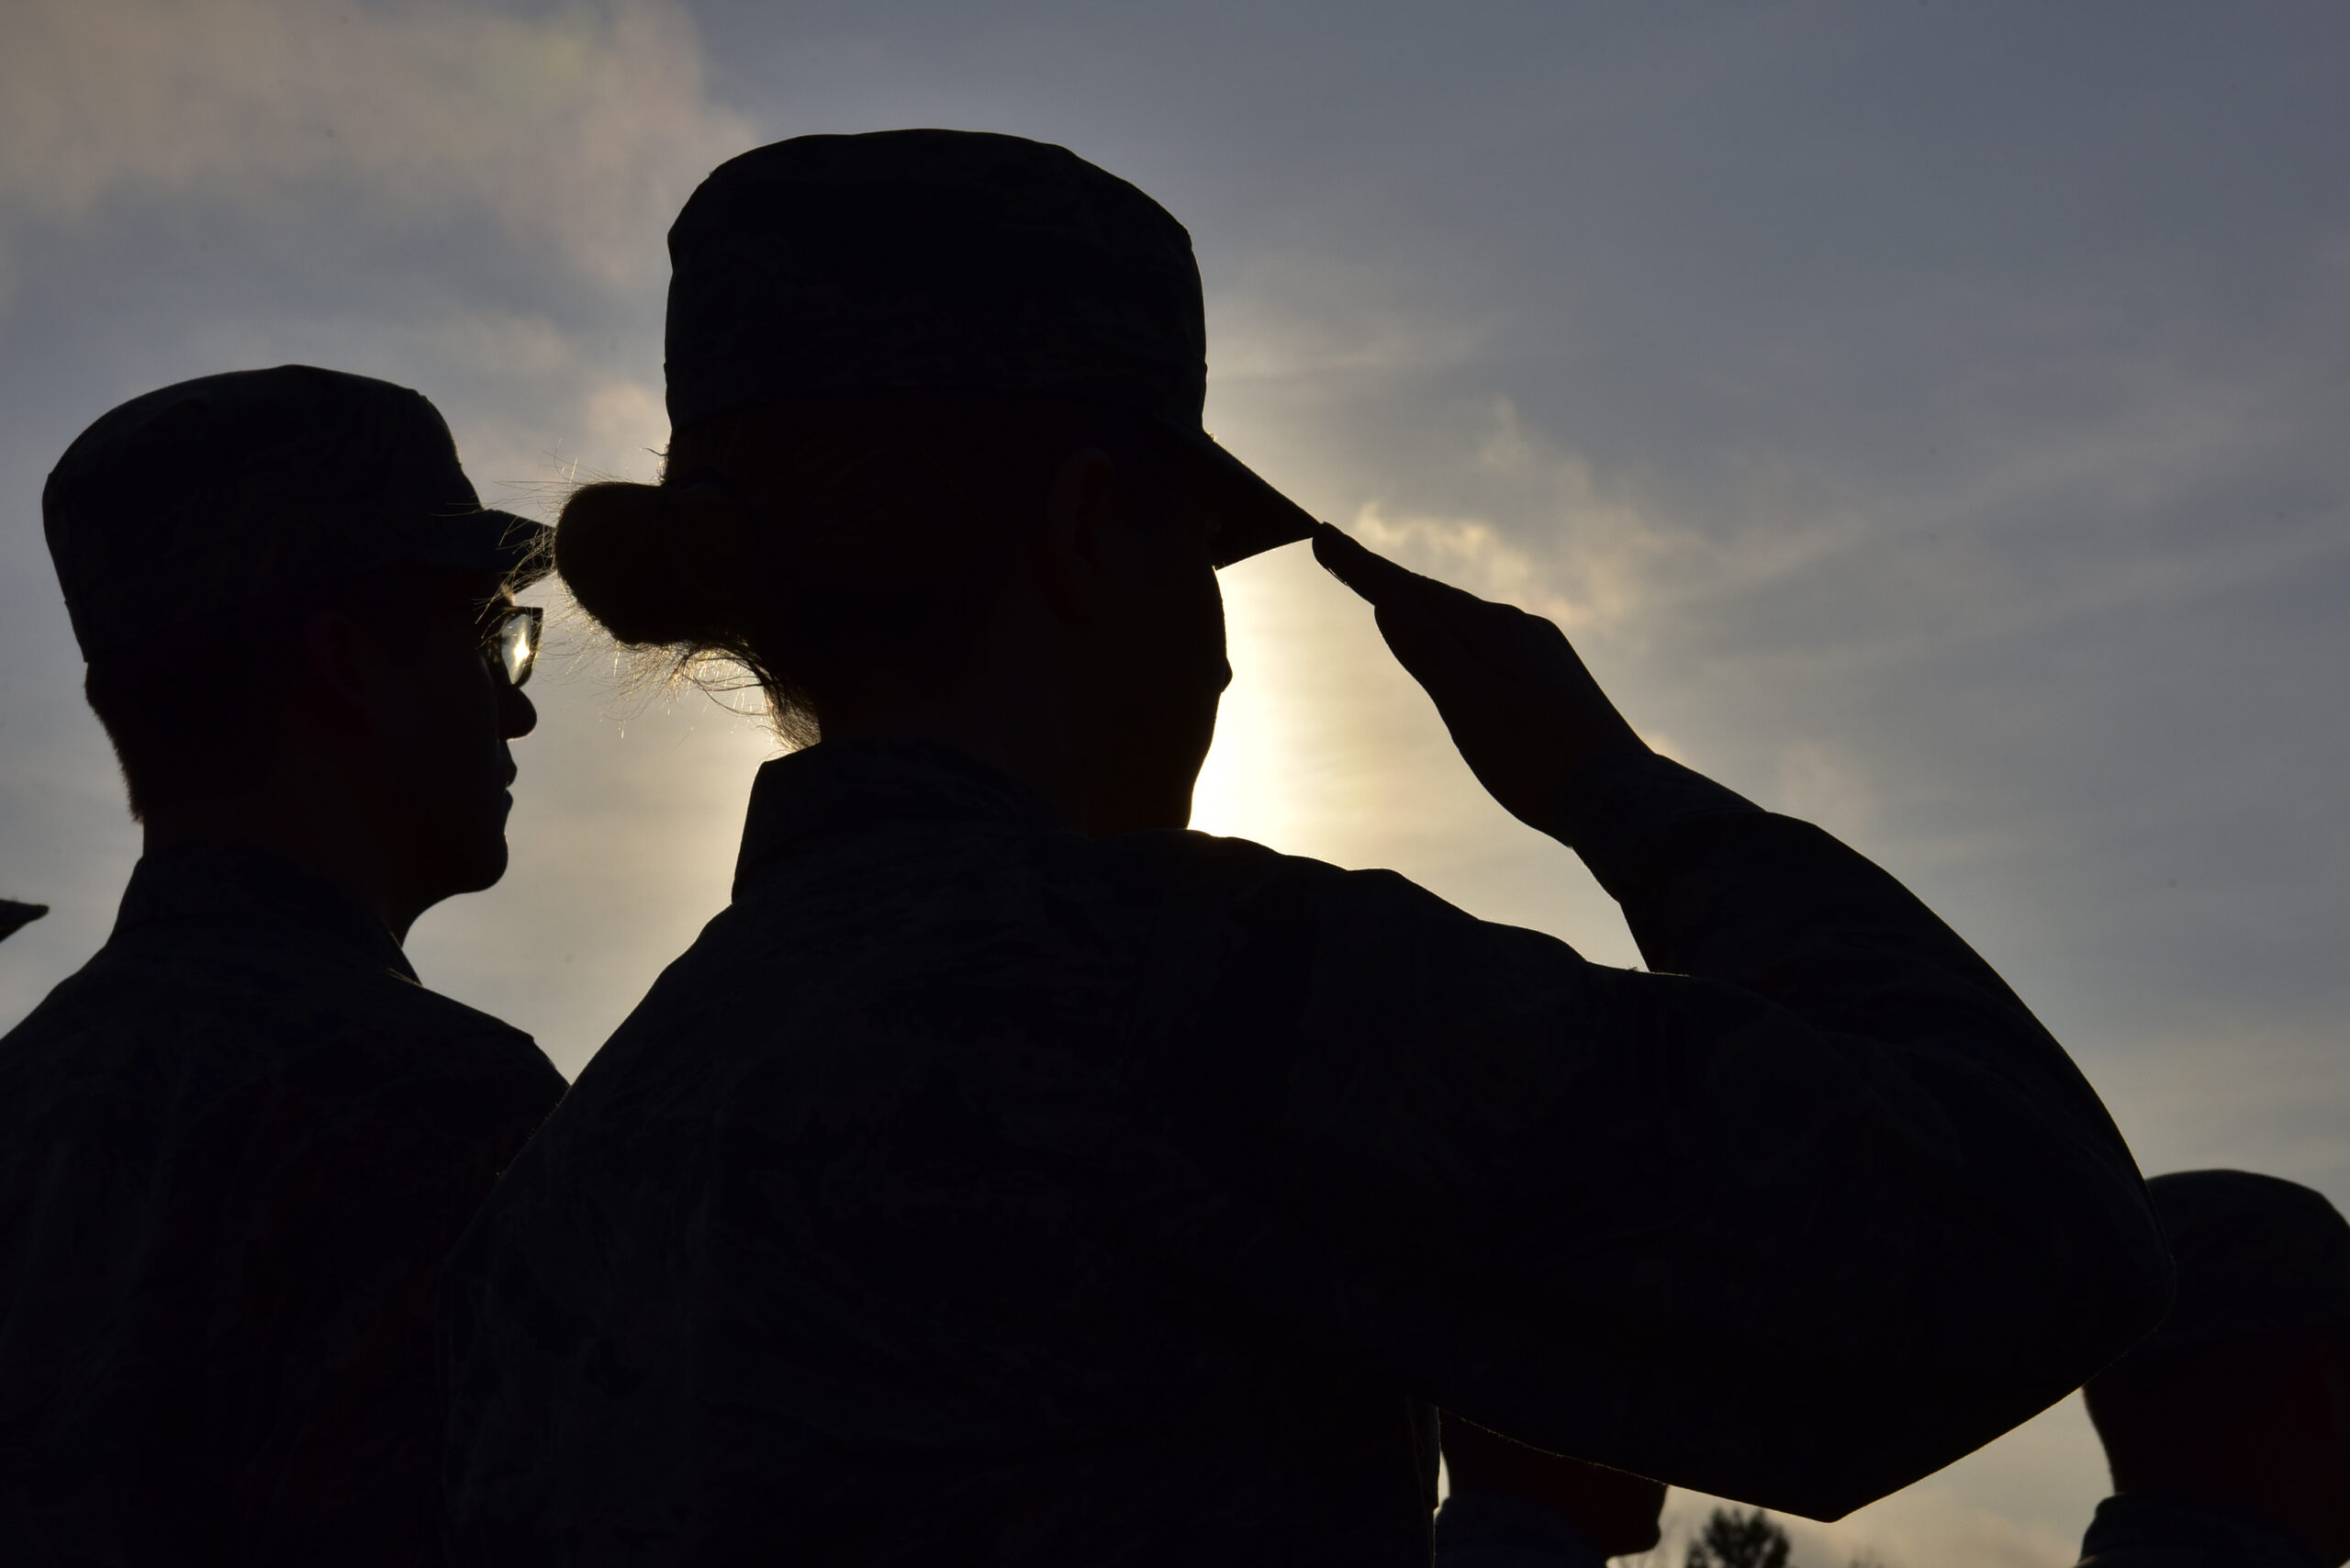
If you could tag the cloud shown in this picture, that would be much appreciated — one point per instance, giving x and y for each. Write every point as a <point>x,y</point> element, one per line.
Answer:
<point>1288,316</point>
<point>470,199</point>
<point>1826,785</point>
<point>1556,543</point>
<point>1596,554</point>
<point>574,134</point>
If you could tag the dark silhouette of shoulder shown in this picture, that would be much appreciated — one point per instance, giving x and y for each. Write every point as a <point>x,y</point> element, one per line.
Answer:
<point>234,1149</point>
<point>969,1172</point>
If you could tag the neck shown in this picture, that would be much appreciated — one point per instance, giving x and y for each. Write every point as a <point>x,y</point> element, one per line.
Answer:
<point>312,827</point>
<point>1010,707</point>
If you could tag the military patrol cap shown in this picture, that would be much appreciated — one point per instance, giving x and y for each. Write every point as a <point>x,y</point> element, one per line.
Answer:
<point>231,490</point>
<point>948,259</point>
<point>2257,1255</point>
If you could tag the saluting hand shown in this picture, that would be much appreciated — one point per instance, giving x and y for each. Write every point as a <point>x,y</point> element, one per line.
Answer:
<point>1521,707</point>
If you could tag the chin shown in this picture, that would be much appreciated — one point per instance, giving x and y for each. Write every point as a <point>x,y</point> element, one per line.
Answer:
<point>474,867</point>
<point>489,866</point>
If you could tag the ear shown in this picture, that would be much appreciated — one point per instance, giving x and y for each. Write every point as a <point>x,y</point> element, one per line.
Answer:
<point>335,694</point>
<point>1072,558</point>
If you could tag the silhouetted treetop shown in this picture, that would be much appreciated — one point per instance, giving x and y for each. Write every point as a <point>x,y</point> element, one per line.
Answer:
<point>1732,1539</point>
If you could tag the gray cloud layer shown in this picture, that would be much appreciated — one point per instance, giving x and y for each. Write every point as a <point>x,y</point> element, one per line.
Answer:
<point>1929,420</point>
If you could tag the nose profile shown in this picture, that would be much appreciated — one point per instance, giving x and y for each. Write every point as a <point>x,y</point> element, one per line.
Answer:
<point>517,715</point>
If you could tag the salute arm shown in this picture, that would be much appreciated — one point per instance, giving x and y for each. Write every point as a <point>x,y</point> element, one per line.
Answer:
<point>1809,1211</point>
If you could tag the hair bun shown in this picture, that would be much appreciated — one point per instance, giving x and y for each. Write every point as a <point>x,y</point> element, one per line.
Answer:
<point>653,565</point>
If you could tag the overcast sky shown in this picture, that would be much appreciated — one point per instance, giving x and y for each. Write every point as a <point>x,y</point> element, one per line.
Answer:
<point>1933,421</point>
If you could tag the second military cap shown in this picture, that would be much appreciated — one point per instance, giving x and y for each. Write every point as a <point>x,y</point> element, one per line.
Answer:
<point>229,490</point>
<point>2257,1255</point>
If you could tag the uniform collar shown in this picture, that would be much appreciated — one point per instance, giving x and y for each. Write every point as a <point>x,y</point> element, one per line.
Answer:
<point>2139,1522</point>
<point>215,882</point>
<point>837,786</point>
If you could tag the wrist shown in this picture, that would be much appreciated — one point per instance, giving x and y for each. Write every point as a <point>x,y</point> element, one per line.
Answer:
<point>1595,775</point>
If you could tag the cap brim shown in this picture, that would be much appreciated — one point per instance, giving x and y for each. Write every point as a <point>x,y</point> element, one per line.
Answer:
<point>515,548</point>
<point>1252,517</point>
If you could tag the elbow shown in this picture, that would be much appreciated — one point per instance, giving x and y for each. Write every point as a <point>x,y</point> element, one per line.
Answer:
<point>1971,1375</point>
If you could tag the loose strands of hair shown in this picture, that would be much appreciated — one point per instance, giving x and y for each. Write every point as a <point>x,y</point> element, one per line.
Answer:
<point>619,555</point>
<point>872,525</point>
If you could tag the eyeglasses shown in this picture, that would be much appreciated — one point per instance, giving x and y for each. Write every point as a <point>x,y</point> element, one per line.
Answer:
<point>510,640</point>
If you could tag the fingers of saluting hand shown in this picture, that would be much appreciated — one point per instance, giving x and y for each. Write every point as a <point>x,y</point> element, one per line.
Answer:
<point>1509,687</point>
<point>1371,575</point>
<point>1382,581</point>
<point>1425,621</point>
<point>1407,618</point>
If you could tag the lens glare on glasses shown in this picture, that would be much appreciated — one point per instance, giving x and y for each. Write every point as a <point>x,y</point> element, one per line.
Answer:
<point>515,640</point>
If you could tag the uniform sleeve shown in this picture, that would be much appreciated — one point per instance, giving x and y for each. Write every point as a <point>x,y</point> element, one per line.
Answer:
<point>1809,1211</point>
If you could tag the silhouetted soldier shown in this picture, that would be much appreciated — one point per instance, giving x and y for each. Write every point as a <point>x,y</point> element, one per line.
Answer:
<point>1010,1176</point>
<point>1512,1507</point>
<point>236,1146</point>
<point>2228,1429</point>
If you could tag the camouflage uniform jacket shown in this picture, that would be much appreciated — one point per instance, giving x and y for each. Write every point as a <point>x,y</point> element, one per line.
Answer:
<point>234,1151</point>
<point>2169,1532</point>
<point>974,1192</point>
